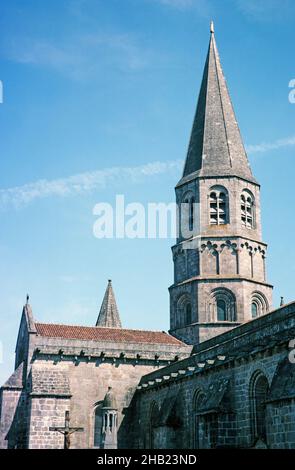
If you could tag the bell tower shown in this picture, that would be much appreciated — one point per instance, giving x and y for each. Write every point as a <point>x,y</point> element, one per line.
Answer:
<point>219,256</point>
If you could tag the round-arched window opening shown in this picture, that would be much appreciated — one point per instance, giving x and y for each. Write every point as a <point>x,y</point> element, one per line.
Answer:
<point>188,314</point>
<point>259,305</point>
<point>218,206</point>
<point>254,310</point>
<point>247,209</point>
<point>183,311</point>
<point>191,214</point>
<point>98,425</point>
<point>259,390</point>
<point>188,210</point>
<point>221,310</point>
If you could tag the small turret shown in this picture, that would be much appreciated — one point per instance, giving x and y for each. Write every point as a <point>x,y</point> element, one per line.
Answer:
<point>109,420</point>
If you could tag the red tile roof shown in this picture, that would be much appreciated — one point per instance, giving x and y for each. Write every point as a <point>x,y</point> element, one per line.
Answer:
<point>118,335</point>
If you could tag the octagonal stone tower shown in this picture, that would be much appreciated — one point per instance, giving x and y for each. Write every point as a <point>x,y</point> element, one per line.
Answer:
<point>219,257</point>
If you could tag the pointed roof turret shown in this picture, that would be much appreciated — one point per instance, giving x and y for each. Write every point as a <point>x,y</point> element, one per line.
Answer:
<point>109,316</point>
<point>28,315</point>
<point>216,147</point>
<point>109,400</point>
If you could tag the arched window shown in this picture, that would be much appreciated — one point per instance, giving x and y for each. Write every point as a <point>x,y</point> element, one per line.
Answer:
<point>188,211</point>
<point>183,311</point>
<point>154,414</point>
<point>218,206</point>
<point>98,424</point>
<point>221,310</point>
<point>222,305</point>
<point>247,209</point>
<point>259,305</point>
<point>188,314</point>
<point>258,395</point>
<point>198,425</point>
<point>254,310</point>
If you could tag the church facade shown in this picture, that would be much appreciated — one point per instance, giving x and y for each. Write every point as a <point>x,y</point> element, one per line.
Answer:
<point>224,375</point>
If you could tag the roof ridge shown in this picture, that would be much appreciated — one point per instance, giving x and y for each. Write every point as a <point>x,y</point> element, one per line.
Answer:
<point>105,334</point>
<point>216,58</point>
<point>105,328</point>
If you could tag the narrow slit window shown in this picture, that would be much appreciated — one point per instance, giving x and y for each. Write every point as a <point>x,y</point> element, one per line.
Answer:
<point>191,214</point>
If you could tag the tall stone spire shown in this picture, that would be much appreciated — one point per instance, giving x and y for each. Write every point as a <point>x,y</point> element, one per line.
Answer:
<point>109,316</point>
<point>215,147</point>
<point>219,259</point>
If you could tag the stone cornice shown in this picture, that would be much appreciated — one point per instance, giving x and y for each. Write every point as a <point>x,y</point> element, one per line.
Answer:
<point>220,278</point>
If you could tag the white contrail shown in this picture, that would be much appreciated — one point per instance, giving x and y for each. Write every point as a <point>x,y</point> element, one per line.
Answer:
<point>89,181</point>
<point>266,146</point>
<point>83,182</point>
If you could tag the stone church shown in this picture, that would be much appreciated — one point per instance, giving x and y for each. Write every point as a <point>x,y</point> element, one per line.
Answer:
<point>222,377</point>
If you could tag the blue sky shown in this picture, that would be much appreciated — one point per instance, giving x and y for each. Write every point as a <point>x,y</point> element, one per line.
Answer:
<point>95,85</point>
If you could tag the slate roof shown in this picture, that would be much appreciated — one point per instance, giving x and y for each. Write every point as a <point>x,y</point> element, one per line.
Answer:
<point>216,147</point>
<point>118,335</point>
<point>110,400</point>
<point>260,334</point>
<point>109,314</point>
<point>15,381</point>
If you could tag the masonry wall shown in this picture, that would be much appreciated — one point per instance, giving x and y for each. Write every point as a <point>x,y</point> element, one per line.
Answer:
<point>229,257</point>
<point>45,412</point>
<point>235,427</point>
<point>89,382</point>
<point>9,400</point>
<point>14,419</point>
<point>199,293</point>
<point>281,417</point>
<point>235,187</point>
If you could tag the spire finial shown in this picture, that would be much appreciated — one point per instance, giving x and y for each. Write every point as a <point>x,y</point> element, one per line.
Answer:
<point>212,27</point>
<point>282,302</point>
<point>27,299</point>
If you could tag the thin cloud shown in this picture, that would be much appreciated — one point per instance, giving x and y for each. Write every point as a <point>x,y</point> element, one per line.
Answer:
<point>83,183</point>
<point>88,182</point>
<point>79,57</point>
<point>267,146</point>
